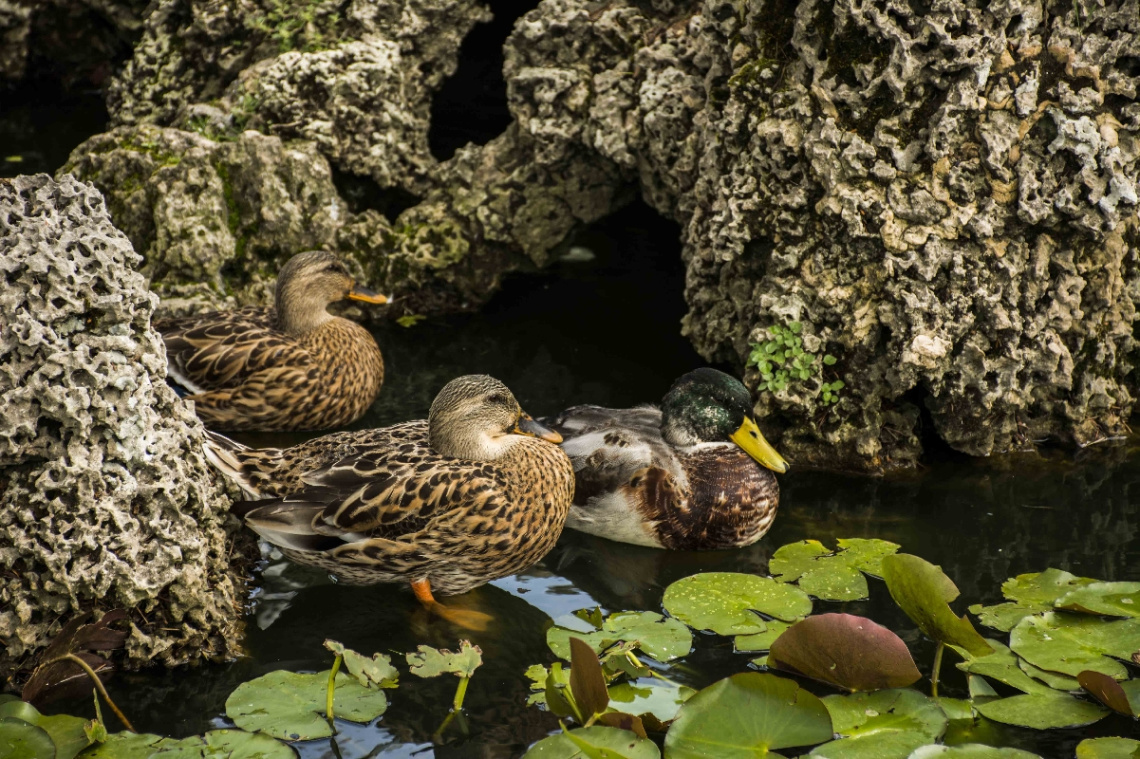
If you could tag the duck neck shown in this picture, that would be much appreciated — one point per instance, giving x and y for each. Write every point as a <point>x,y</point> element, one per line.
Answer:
<point>300,310</point>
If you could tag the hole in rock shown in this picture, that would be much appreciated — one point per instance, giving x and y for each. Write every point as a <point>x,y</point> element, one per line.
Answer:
<point>362,193</point>
<point>471,106</point>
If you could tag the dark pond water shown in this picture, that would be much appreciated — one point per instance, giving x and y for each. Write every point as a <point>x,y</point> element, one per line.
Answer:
<point>607,331</point>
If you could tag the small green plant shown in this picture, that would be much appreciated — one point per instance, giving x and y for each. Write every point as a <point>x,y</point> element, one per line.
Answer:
<point>783,360</point>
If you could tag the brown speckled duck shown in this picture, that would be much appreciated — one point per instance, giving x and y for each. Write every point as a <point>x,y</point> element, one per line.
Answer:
<point>477,491</point>
<point>691,475</point>
<point>291,367</point>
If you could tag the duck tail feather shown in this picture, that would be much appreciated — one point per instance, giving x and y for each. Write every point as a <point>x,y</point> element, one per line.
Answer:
<point>225,455</point>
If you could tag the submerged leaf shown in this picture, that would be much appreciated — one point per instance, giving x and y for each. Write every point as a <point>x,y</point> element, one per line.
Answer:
<point>1070,643</point>
<point>375,672</point>
<point>884,724</point>
<point>1042,711</point>
<point>660,637</point>
<point>744,715</point>
<point>1111,693</point>
<point>846,651</point>
<point>728,602</point>
<point>291,706</point>
<point>831,576</point>
<point>431,662</point>
<point>1108,748</point>
<point>650,697</point>
<point>592,743</point>
<point>924,593</point>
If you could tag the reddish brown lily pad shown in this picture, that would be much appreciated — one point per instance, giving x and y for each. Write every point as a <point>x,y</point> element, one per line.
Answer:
<point>1109,692</point>
<point>846,651</point>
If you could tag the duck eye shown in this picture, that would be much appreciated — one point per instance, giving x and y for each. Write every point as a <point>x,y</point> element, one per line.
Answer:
<point>336,268</point>
<point>498,399</point>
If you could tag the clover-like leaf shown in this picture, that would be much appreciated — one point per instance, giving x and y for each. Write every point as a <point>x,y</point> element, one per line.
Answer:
<point>374,672</point>
<point>660,637</point>
<point>594,742</point>
<point>831,575</point>
<point>291,706</point>
<point>1071,643</point>
<point>1042,711</point>
<point>886,723</point>
<point>728,602</point>
<point>846,651</point>
<point>924,593</point>
<point>745,716</point>
<point>431,662</point>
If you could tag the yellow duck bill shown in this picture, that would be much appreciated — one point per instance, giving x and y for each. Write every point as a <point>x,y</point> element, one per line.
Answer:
<point>752,441</point>
<point>527,426</point>
<point>367,296</point>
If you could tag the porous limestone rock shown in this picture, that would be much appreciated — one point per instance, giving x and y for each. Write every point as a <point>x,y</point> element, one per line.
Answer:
<point>106,500</point>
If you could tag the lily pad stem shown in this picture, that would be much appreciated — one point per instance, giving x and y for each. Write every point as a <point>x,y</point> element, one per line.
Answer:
<point>937,668</point>
<point>460,692</point>
<point>99,686</point>
<point>331,689</point>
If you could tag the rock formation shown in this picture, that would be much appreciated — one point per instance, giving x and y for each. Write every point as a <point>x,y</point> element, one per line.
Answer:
<point>106,500</point>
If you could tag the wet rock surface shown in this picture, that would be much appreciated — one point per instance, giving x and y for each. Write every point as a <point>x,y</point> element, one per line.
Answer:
<point>106,500</point>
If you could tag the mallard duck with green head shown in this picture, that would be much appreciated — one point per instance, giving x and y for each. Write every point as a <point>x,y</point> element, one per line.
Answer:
<point>477,491</point>
<point>694,474</point>
<point>294,366</point>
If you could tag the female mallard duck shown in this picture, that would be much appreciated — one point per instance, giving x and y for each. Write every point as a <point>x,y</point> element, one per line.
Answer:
<point>682,477</point>
<point>292,367</point>
<point>477,491</point>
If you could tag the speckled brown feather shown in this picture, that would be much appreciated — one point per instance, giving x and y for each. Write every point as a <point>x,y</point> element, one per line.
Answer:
<point>702,497</point>
<point>246,374</point>
<point>381,506</point>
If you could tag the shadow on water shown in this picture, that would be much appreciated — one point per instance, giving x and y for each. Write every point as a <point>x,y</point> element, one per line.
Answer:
<point>606,331</point>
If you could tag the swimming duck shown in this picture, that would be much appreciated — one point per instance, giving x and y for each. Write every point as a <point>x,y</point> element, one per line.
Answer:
<point>477,491</point>
<point>691,475</point>
<point>291,367</point>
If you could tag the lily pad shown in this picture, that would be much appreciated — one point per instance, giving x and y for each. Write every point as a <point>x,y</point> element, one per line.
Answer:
<point>727,602</point>
<point>831,575</point>
<point>761,641</point>
<point>1042,711</point>
<point>924,593</point>
<point>650,696</point>
<point>375,672</point>
<point>1028,594</point>
<point>745,716</point>
<point>66,732</point>
<point>291,706</point>
<point>1054,680</point>
<point>1120,697</point>
<point>232,744</point>
<point>1108,748</point>
<point>1113,599</point>
<point>657,636</point>
<point>970,751</point>
<point>595,742</point>
<point>887,724</point>
<point>846,651</point>
<point>1000,665</point>
<point>19,738</point>
<point>1071,643</point>
<point>431,662</point>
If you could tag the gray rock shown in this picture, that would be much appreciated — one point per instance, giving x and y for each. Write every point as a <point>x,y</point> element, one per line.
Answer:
<point>106,500</point>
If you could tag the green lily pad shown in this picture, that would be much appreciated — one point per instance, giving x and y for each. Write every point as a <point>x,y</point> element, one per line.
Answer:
<point>1028,594</point>
<point>232,744</point>
<point>1071,643</point>
<point>924,593</point>
<point>1113,599</point>
<point>846,651</point>
<point>1120,697</point>
<point>1108,748</point>
<point>291,706</point>
<point>881,725</point>
<point>657,636</point>
<point>66,732</point>
<point>1001,665</point>
<point>431,662</point>
<point>650,696</point>
<point>745,716</point>
<point>1042,711</point>
<point>1054,680</point>
<point>831,575</point>
<point>727,602</point>
<point>375,672</point>
<point>970,751</point>
<point>595,742</point>
<point>761,641</point>
<point>19,738</point>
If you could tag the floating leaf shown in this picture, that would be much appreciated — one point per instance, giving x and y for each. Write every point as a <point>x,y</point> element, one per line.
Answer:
<point>1111,693</point>
<point>291,706</point>
<point>430,662</point>
<point>1042,711</point>
<point>747,715</point>
<point>970,751</point>
<point>66,732</point>
<point>831,576</point>
<point>924,593</point>
<point>1070,643</point>
<point>410,320</point>
<point>650,697</point>
<point>56,679</point>
<point>1113,599</point>
<point>538,675</point>
<point>1054,680</point>
<point>376,672</point>
<point>592,743</point>
<point>1001,665</point>
<point>662,638</point>
<point>623,721</point>
<point>233,744</point>
<point>1029,594</point>
<point>587,683</point>
<point>728,602</point>
<point>20,739</point>
<point>1108,748</point>
<point>845,651</point>
<point>884,725</point>
<point>761,641</point>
